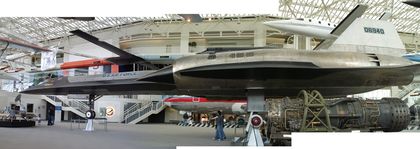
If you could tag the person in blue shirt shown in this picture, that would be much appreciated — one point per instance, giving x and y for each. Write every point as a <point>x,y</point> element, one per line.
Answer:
<point>220,134</point>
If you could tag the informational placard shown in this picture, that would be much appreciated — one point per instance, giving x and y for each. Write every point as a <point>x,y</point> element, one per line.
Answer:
<point>78,96</point>
<point>48,60</point>
<point>95,70</point>
<point>58,108</point>
<point>110,111</point>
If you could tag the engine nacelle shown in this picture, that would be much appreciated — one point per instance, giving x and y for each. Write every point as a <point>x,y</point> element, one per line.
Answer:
<point>239,108</point>
<point>387,114</point>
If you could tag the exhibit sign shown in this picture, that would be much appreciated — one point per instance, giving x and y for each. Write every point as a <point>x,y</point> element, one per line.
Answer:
<point>48,60</point>
<point>110,111</point>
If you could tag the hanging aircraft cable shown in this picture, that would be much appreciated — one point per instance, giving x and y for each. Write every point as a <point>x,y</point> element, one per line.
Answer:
<point>4,49</point>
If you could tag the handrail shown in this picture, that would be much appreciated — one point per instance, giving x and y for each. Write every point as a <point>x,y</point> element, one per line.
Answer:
<point>131,109</point>
<point>82,107</point>
<point>141,109</point>
<point>151,107</point>
<point>78,105</point>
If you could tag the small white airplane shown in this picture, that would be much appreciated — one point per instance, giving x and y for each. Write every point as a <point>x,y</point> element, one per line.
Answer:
<point>305,26</point>
<point>310,27</point>
<point>327,31</point>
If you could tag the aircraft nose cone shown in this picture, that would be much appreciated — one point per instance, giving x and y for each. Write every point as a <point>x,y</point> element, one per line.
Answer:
<point>269,23</point>
<point>279,24</point>
<point>168,104</point>
<point>168,101</point>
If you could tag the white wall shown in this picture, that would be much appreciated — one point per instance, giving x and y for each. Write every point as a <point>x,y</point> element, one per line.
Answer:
<point>152,46</point>
<point>111,101</point>
<point>7,98</point>
<point>161,46</point>
<point>160,32</point>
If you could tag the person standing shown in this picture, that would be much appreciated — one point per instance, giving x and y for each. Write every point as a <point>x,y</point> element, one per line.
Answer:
<point>220,134</point>
<point>221,124</point>
<point>39,119</point>
<point>214,122</point>
<point>51,116</point>
<point>185,118</point>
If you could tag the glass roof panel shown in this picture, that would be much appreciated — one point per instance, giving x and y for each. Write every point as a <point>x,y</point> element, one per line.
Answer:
<point>406,18</point>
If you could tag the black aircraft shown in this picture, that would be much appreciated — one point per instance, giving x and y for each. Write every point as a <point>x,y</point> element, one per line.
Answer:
<point>351,64</point>
<point>237,73</point>
<point>414,3</point>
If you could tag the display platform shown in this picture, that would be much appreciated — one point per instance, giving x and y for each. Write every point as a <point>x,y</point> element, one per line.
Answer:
<point>16,123</point>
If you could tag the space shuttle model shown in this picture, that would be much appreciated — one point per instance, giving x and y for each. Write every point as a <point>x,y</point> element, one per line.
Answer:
<point>304,26</point>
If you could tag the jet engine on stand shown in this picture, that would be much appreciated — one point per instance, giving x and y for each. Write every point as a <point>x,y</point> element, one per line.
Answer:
<point>309,112</point>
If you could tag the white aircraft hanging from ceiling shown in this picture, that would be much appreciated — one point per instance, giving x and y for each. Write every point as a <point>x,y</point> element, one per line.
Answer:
<point>304,26</point>
<point>335,38</point>
<point>310,27</point>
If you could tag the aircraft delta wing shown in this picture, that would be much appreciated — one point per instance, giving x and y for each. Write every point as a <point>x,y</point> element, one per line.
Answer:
<point>124,57</point>
<point>104,84</point>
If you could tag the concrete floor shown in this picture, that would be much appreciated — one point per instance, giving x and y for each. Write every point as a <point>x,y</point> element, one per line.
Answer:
<point>147,136</point>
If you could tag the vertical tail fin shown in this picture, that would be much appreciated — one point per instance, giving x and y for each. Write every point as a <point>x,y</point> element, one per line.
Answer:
<point>370,36</point>
<point>344,24</point>
<point>364,35</point>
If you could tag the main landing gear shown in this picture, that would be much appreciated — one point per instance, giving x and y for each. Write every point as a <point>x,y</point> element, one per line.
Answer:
<point>90,114</point>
